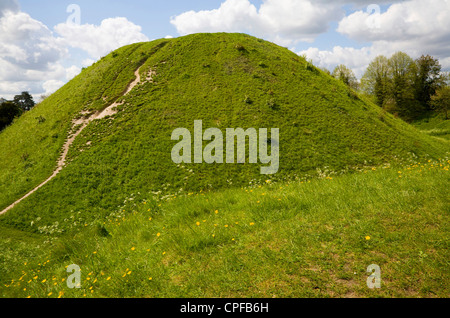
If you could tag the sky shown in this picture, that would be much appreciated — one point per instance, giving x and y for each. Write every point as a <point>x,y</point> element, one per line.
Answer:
<point>45,43</point>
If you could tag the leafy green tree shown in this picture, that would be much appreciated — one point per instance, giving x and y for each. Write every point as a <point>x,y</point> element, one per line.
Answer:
<point>8,111</point>
<point>401,93</point>
<point>403,86</point>
<point>375,80</point>
<point>346,75</point>
<point>441,101</point>
<point>428,79</point>
<point>24,101</point>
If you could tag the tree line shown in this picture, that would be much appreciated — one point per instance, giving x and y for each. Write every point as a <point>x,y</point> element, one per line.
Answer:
<point>9,110</point>
<point>408,88</point>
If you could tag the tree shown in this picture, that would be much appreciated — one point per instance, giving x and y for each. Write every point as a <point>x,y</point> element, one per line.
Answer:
<point>346,75</point>
<point>401,72</point>
<point>404,86</point>
<point>375,80</point>
<point>24,101</point>
<point>441,100</point>
<point>8,111</point>
<point>428,79</point>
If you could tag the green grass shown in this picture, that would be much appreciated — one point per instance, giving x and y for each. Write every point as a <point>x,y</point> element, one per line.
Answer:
<point>213,77</point>
<point>435,125</point>
<point>305,238</point>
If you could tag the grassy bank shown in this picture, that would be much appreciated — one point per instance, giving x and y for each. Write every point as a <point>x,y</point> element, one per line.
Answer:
<point>308,238</point>
<point>227,81</point>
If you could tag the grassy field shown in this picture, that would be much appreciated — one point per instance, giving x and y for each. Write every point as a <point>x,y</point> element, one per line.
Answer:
<point>305,238</point>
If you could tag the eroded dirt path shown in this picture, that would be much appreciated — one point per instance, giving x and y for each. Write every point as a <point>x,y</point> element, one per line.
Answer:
<point>84,121</point>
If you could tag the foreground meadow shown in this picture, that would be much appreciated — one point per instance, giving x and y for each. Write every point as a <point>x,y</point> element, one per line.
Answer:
<point>305,238</point>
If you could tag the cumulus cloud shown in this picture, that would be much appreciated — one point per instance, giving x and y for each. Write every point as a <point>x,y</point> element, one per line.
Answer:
<point>28,52</point>
<point>232,16</point>
<point>27,42</point>
<point>356,59</point>
<point>415,27</point>
<point>52,86</point>
<point>32,55</point>
<point>283,21</point>
<point>8,5</point>
<point>100,40</point>
<point>409,20</point>
<point>72,71</point>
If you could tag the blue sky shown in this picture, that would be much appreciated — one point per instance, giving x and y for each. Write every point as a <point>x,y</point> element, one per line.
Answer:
<point>153,16</point>
<point>40,50</point>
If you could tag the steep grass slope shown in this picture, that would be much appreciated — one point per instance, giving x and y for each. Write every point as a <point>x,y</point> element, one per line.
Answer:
<point>225,80</point>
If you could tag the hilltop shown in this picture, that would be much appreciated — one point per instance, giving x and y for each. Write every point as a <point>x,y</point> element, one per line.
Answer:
<point>225,80</point>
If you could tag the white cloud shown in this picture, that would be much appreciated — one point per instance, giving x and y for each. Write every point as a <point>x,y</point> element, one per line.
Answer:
<point>87,62</point>
<point>8,5</point>
<point>72,71</point>
<point>283,21</point>
<point>409,20</point>
<point>52,86</point>
<point>232,16</point>
<point>31,55</point>
<point>416,27</point>
<point>28,43</point>
<point>29,52</point>
<point>356,59</point>
<point>100,40</point>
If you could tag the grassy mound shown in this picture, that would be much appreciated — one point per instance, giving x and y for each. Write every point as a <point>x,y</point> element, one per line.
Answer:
<point>225,80</point>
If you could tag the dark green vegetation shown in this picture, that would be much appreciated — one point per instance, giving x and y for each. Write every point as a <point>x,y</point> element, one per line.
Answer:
<point>10,110</point>
<point>227,81</point>
<point>410,89</point>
